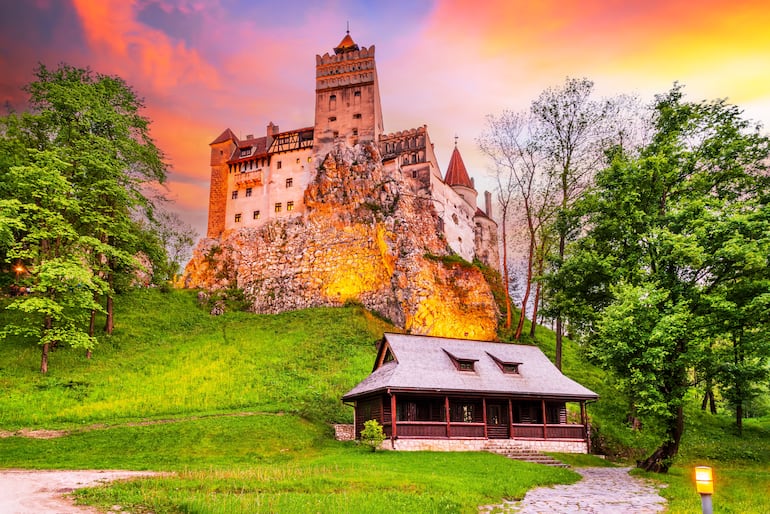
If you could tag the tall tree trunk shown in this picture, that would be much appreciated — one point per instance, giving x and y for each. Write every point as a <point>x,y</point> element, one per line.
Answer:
<point>46,347</point>
<point>527,288</point>
<point>739,417</point>
<point>536,304</point>
<point>109,322</point>
<point>506,280</point>
<point>660,460</point>
<point>91,330</point>
<point>708,398</point>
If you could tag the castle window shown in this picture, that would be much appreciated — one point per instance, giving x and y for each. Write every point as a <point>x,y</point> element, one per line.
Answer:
<point>297,160</point>
<point>357,98</point>
<point>248,191</point>
<point>234,194</point>
<point>357,93</point>
<point>278,207</point>
<point>238,218</point>
<point>309,159</point>
<point>357,116</point>
<point>289,182</point>
<point>336,133</point>
<point>332,118</point>
<point>355,131</point>
<point>414,173</point>
<point>278,165</point>
<point>332,102</point>
<point>255,215</point>
<point>289,206</point>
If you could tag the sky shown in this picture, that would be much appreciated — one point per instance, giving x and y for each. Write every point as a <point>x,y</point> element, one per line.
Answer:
<point>205,65</point>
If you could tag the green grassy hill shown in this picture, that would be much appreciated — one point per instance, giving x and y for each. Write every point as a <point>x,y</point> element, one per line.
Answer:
<point>240,405</point>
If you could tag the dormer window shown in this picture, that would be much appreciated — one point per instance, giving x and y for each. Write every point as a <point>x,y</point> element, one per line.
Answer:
<point>507,367</point>
<point>462,363</point>
<point>245,152</point>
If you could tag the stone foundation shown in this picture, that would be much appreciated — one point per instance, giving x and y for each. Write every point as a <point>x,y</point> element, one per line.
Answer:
<point>345,432</point>
<point>477,445</point>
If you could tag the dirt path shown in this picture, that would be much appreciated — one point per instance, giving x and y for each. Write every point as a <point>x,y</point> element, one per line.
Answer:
<point>44,492</point>
<point>601,491</point>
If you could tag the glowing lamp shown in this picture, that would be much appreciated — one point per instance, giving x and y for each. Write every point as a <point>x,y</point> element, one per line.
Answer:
<point>704,480</point>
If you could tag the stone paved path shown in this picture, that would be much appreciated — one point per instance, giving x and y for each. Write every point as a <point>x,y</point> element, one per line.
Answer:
<point>601,491</point>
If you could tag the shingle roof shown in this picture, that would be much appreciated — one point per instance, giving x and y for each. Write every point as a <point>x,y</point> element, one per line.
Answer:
<point>346,45</point>
<point>225,136</point>
<point>423,364</point>
<point>456,174</point>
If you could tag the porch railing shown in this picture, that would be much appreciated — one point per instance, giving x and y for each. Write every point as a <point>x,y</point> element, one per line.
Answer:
<point>438,430</point>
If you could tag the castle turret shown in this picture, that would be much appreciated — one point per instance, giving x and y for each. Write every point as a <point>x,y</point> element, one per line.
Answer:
<point>222,149</point>
<point>347,103</point>
<point>457,177</point>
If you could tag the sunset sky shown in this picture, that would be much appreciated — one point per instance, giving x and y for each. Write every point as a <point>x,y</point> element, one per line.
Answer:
<point>205,65</point>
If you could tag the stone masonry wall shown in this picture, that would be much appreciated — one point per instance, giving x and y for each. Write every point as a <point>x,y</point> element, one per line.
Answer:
<point>364,237</point>
<point>477,445</point>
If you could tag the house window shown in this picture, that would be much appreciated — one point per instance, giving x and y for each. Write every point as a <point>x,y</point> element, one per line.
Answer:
<point>248,191</point>
<point>235,194</point>
<point>509,367</point>
<point>245,152</point>
<point>255,215</point>
<point>238,218</point>
<point>278,165</point>
<point>278,207</point>
<point>289,182</point>
<point>464,365</point>
<point>289,206</point>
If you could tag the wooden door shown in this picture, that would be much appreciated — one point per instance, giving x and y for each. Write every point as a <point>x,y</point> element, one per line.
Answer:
<point>497,420</point>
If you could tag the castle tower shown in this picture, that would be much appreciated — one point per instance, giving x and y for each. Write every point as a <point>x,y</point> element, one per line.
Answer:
<point>347,105</point>
<point>457,178</point>
<point>222,149</point>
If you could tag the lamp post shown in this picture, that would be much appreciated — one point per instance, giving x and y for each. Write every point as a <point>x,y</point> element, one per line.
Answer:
<point>19,269</point>
<point>704,484</point>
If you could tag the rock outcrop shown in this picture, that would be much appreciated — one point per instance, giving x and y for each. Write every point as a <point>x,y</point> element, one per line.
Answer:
<point>365,237</point>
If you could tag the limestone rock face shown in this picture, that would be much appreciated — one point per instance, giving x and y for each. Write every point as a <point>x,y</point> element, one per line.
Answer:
<point>364,237</point>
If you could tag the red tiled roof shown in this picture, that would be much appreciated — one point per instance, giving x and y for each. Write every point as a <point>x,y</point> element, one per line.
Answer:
<point>227,135</point>
<point>456,174</point>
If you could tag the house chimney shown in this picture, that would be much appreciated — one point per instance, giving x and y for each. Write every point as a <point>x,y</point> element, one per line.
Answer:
<point>488,203</point>
<point>250,136</point>
<point>272,130</point>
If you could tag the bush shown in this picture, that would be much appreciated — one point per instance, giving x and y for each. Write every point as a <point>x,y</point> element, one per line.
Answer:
<point>372,434</point>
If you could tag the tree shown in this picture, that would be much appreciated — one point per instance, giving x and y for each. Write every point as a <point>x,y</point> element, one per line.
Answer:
<point>515,153</point>
<point>75,169</point>
<point>573,130</point>
<point>44,238</point>
<point>93,122</point>
<point>674,239</point>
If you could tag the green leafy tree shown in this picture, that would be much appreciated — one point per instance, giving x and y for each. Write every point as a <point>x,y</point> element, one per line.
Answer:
<point>43,237</point>
<point>673,259</point>
<point>372,434</point>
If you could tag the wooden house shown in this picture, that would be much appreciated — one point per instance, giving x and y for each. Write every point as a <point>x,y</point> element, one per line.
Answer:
<point>454,394</point>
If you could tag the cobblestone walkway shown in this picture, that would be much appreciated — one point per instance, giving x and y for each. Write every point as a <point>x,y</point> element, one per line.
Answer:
<point>601,491</point>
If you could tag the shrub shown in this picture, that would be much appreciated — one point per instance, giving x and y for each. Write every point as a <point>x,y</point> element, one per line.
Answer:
<point>372,434</point>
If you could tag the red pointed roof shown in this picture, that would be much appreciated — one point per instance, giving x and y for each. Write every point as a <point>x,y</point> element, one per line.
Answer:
<point>227,135</point>
<point>346,45</point>
<point>456,174</point>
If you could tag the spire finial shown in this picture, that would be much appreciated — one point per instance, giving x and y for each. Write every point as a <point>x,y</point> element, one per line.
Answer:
<point>348,27</point>
<point>456,140</point>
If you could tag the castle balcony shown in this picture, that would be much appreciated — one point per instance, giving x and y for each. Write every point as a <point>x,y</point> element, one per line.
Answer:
<point>248,179</point>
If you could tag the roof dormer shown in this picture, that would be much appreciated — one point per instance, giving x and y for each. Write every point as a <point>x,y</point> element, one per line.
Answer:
<point>506,366</point>
<point>462,363</point>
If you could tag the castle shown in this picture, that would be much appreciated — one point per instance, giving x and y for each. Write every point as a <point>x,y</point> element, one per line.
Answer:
<point>257,180</point>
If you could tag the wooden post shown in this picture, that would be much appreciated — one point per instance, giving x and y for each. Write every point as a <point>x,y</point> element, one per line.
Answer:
<point>484,412</point>
<point>446,411</point>
<point>393,419</point>
<point>545,422</point>
<point>510,419</point>
<point>584,420</point>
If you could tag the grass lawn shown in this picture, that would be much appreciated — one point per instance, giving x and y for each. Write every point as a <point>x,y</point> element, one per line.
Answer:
<point>238,408</point>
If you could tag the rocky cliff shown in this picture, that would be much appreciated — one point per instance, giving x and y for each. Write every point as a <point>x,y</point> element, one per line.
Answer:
<point>364,237</point>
